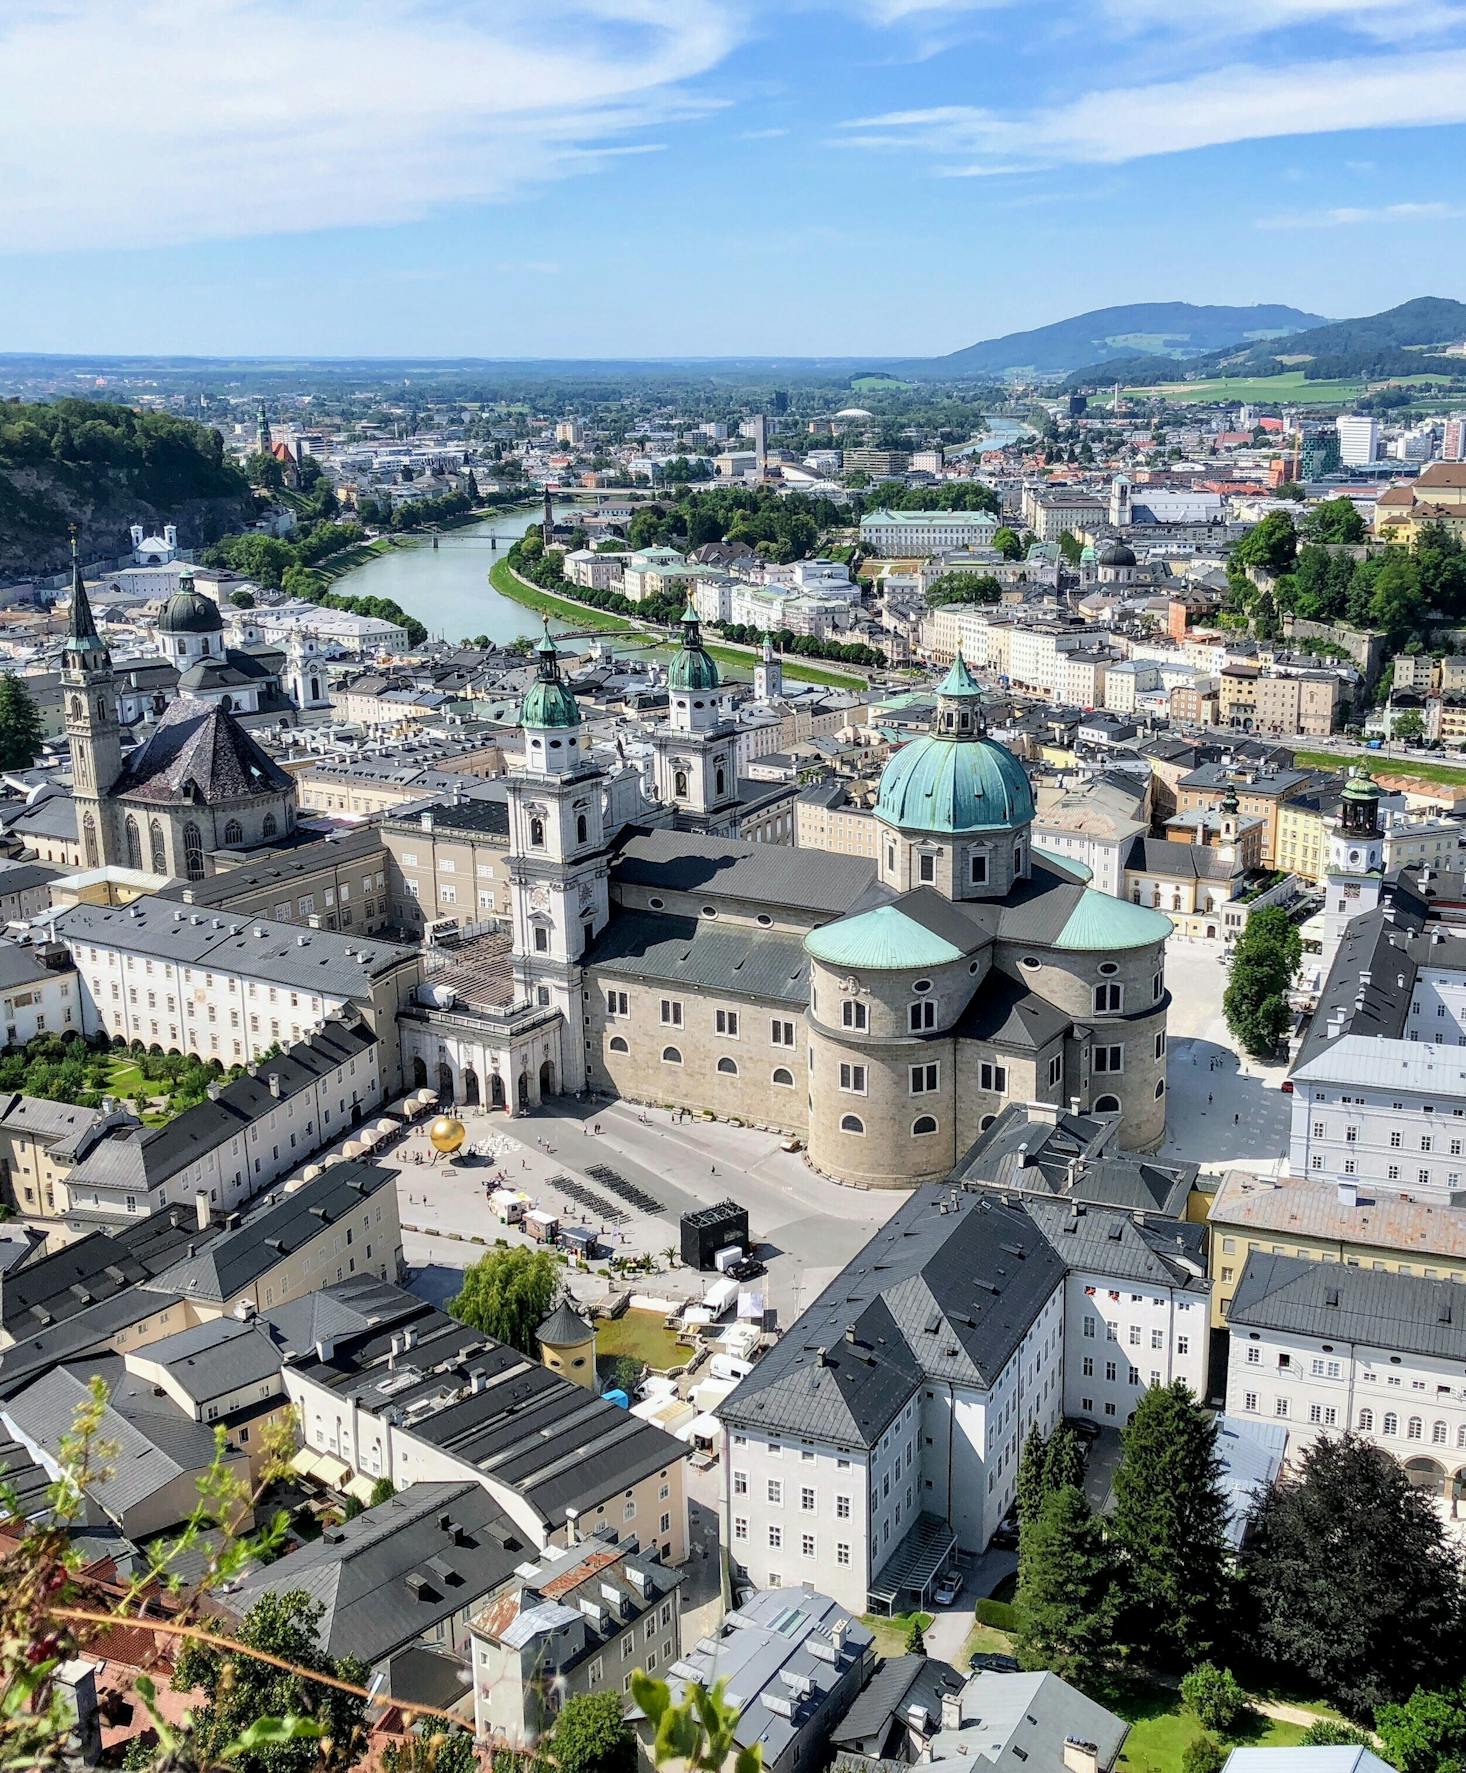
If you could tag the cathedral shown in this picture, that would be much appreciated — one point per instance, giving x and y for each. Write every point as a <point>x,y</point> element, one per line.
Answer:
<point>882,1011</point>
<point>198,785</point>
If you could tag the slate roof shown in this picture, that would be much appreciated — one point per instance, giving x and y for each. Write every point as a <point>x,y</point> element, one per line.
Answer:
<point>312,960</point>
<point>1332,1301</point>
<point>1378,943</point>
<point>1019,1723</point>
<point>898,1683</point>
<point>235,884</point>
<point>234,1260</point>
<point>154,1441</point>
<point>1065,1159</point>
<point>396,1570</point>
<point>214,1357</point>
<point>1095,1240</point>
<point>946,1289</point>
<point>1005,1013</point>
<point>690,951</point>
<point>722,867</point>
<point>1181,861</point>
<point>55,816</point>
<point>199,753</point>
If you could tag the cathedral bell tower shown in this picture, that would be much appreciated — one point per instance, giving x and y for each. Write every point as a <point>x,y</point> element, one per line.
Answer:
<point>1356,861</point>
<point>693,754</point>
<point>93,729</point>
<point>558,866</point>
<point>768,673</point>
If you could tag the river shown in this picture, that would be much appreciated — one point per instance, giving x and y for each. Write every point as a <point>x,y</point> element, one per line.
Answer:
<point>447,588</point>
<point>999,434</point>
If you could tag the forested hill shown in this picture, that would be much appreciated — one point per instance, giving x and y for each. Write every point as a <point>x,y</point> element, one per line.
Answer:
<point>1373,344</point>
<point>104,468</point>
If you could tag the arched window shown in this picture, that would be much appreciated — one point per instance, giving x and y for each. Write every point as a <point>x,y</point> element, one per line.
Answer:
<point>193,852</point>
<point>1366,1421</point>
<point>269,828</point>
<point>986,1121</point>
<point>1160,1089</point>
<point>158,855</point>
<point>1107,1105</point>
<point>233,832</point>
<point>923,1124</point>
<point>1461,1435</point>
<point>76,707</point>
<point>134,843</point>
<point>1391,1423</point>
<point>679,785</point>
<point>851,1123</point>
<point>89,842</point>
<point>581,829</point>
<point>618,1045</point>
<point>728,1067</point>
<point>1415,1429</point>
<point>721,780</point>
<point>670,1056</point>
<point>315,693</point>
<point>1018,858</point>
<point>783,1075</point>
<point>1438,1434</point>
<point>537,833</point>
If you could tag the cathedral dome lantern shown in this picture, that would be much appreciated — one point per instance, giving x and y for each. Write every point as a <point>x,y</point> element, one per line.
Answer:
<point>189,612</point>
<point>1359,804</point>
<point>548,701</point>
<point>694,668</point>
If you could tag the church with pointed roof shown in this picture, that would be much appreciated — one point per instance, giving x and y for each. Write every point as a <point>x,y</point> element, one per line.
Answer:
<point>198,786</point>
<point>884,1011</point>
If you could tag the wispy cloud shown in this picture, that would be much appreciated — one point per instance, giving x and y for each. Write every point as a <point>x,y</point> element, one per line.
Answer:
<point>1243,102</point>
<point>216,118</point>
<point>762,135</point>
<point>1346,217</point>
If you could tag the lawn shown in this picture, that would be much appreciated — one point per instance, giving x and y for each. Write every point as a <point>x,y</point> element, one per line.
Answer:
<point>1443,775</point>
<point>1292,387</point>
<point>1160,1730</point>
<point>890,1634</point>
<point>986,1638</point>
<point>643,1336</point>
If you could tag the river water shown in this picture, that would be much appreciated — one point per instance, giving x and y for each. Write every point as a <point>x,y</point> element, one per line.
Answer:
<point>447,588</point>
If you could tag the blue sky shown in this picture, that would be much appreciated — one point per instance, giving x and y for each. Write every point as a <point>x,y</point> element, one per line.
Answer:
<point>665,177</point>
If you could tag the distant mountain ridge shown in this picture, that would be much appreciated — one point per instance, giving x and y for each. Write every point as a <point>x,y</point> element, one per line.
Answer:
<point>1167,330</point>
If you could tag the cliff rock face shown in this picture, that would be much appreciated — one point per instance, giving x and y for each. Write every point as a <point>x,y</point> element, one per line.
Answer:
<point>104,468</point>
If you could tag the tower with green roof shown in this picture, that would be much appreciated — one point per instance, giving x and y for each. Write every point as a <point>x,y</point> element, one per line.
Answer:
<point>93,725</point>
<point>693,753</point>
<point>1356,870</point>
<point>955,805</point>
<point>558,865</point>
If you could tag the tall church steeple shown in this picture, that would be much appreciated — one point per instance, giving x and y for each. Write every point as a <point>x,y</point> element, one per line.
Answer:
<point>262,433</point>
<point>549,519</point>
<point>93,729</point>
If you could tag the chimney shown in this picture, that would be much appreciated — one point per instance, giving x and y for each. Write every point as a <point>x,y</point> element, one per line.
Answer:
<point>325,1347</point>
<point>275,1085</point>
<point>201,1209</point>
<point>837,1635</point>
<point>1080,1757</point>
<point>951,1711</point>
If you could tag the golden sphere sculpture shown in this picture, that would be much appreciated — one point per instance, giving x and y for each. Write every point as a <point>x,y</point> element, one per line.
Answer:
<point>446,1135</point>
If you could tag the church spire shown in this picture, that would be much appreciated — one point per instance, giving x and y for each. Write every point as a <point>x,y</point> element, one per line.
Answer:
<point>262,435</point>
<point>82,639</point>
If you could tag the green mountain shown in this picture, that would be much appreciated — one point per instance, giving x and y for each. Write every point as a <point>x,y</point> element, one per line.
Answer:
<point>1169,330</point>
<point>104,467</point>
<point>1369,345</point>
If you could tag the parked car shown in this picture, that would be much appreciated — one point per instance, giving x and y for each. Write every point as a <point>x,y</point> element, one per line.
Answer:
<point>1006,1537</point>
<point>750,1268</point>
<point>948,1587</point>
<point>990,1662</point>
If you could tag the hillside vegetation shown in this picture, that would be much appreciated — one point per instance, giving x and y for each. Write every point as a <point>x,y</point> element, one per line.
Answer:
<point>105,467</point>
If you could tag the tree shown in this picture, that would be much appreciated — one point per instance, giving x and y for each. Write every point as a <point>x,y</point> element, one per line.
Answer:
<point>1407,725</point>
<point>1169,1526</point>
<point>1203,1754</point>
<point>1215,1698</point>
<point>1290,490</point>
<point>239,1689</point>
<point>1064,1459</point>
<point>1008,542</point>
<point>1426,1733</point>
<point>20,725</point>
<point>1351,1579</point>
<point>590,1735</point>
<point>1032,1476</point>
<point>963,588</point>
<point>1067,1599</point>
<point>242,599</point>
<point>915,1637</point>
<point>382,1491</point>
<point>508,1294</point>
<point>1335,520</point>
<point>432,1748</point>
<point>1264,962</point>
<point>1270,546</point>
<point>1335,1733</point>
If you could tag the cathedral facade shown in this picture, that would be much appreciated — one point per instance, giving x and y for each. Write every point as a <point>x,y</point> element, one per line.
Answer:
<point>884,1012</point>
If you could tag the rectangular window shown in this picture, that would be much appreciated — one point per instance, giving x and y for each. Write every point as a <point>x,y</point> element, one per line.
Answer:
<point>921,1016</point>
<point>781,1034</point>
<point>992,1077</point>
<point>926,869</point>
<point>1108,1058</point>
<point>806,1500</point>
<point>853,1014</point>
<point>852,1079</point>
<point>1056,1070</point>
<point>977,870</point>
<point>671,1012</point>
<point>924,1079</point>
<point>618,1003</point>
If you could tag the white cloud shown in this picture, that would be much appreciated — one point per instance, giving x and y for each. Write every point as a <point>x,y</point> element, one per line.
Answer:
<point>762,135</point>
<point>1240,103</point>
<point>147,122</point>
<point>1347,217</point>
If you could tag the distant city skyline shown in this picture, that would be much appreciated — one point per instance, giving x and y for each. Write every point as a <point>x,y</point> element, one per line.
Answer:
<point>663,178</point>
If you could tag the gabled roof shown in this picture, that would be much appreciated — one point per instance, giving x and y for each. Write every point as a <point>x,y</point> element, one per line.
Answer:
<point>1338,1303</point>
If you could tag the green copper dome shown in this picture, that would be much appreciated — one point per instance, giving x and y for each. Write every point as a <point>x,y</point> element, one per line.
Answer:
<point>547,702</point>
<point>694,668</point>
<point>948,785</point>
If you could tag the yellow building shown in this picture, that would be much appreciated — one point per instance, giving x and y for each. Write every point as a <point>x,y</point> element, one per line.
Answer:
<point>568,1345</point>
<point>1321,1223</point>
<point>1436,496</point>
